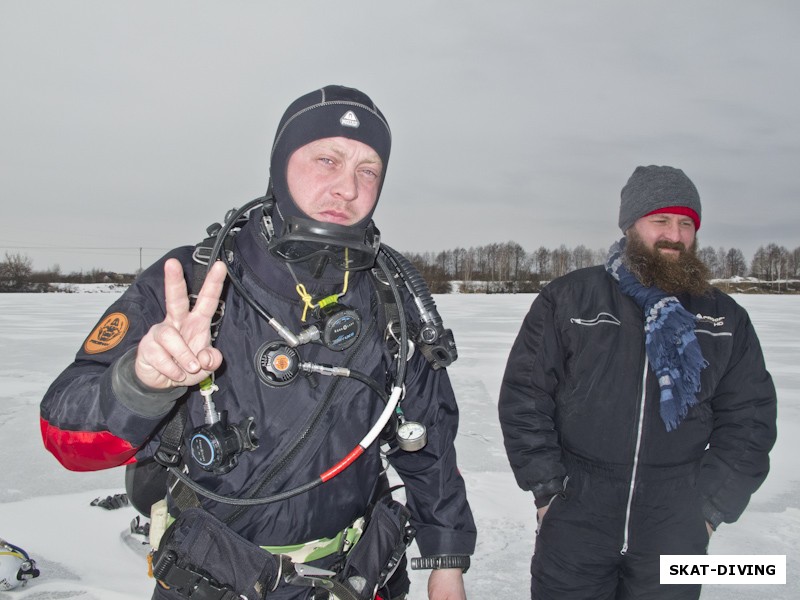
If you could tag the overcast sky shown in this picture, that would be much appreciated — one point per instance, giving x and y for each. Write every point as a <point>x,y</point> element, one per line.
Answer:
<point>135,124</point>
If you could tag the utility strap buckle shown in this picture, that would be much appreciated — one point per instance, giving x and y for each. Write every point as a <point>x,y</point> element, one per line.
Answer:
<point>305,575</point>
<point>191,584</point>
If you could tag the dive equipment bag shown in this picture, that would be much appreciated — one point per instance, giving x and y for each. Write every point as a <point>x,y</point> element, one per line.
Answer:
<point>374,559</point>
<point>201,557</point>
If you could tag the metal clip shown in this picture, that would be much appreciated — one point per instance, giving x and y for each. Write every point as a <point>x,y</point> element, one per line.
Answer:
<point>307,576</point>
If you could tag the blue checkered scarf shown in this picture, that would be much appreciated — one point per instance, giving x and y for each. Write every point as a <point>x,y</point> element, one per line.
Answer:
<point>670,341</point>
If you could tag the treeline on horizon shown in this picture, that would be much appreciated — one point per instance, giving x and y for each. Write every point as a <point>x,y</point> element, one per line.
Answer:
<point>493,268</point>
<point>509,268</point>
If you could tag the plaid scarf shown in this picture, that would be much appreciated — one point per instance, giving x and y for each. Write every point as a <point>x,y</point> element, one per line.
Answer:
<point>671,345</point>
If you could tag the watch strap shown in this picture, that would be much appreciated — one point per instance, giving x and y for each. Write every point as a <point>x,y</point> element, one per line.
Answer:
<point>443,561</point>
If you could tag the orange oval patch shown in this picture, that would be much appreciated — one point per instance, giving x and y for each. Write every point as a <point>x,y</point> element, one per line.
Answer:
<point>107,334</point>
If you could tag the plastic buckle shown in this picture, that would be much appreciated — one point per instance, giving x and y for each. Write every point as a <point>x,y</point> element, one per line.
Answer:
<point>307,576</point>
<point>189,582</point>
<point>167,457</point>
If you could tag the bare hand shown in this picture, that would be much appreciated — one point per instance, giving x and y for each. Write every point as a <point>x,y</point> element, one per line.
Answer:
<point>177,351</point>
<point>446,584</point>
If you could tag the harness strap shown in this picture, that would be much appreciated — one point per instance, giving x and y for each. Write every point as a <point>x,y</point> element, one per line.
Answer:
<point>390,312</point>
<point>200,259</point>
<point>169,450</point>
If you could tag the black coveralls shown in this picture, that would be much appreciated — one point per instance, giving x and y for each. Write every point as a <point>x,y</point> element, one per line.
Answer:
<point>94,417</point>
<point>578,399</point>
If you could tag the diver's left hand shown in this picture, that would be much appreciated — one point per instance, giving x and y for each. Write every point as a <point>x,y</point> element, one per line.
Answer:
<point>446,584</point>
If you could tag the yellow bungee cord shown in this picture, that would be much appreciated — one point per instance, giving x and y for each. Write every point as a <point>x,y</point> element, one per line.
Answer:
<point>332,299</point>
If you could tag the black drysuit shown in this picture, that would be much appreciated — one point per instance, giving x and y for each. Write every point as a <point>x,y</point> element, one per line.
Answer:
<point>579,409</point>
<point>94,415</point>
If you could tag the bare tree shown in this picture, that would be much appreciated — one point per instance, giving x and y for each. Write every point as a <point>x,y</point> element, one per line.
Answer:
<point>581,257</point>
<point>519,261</point>
<point>794,263</point>
<point>599,256</point>
<point>778,260</point>
<point>542,263</point>
<point>459,255</point>
<point>709,257</point>
<point>15,272</point>
<point>759,266</point>
<point>468,264</point>
<point>561,261</point>
<point>721,270</point>
<point>735,265</point>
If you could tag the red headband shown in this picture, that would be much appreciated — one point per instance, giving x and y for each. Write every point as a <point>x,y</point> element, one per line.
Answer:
<point>679,210</point>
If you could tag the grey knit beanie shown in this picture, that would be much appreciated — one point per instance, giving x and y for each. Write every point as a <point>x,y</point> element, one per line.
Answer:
<point>655,189</point>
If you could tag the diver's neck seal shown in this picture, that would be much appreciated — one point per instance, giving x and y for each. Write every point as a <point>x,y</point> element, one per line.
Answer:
<point>302,240</point>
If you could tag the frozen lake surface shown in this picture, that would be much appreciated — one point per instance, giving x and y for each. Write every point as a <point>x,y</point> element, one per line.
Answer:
<point>45,509</point>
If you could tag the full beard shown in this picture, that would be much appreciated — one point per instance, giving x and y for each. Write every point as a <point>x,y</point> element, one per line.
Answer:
<point>684,274</point>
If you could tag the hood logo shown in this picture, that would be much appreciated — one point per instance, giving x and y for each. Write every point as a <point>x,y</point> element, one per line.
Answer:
<point>108,333</point>
<point>715,321</point>
<point>349,119</point>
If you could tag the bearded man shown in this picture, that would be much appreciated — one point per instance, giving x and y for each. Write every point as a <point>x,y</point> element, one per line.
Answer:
<point>636,406</point>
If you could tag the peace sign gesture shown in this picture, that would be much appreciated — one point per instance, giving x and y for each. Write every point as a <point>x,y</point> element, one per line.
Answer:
<point>178,351</point>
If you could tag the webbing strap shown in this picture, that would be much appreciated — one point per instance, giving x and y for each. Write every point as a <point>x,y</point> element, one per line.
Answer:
<point>169,455</point>
<point>391,312</point>
<point>169,449</point>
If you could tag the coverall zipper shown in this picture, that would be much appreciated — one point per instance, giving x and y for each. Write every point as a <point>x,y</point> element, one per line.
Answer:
<point>635,467</point>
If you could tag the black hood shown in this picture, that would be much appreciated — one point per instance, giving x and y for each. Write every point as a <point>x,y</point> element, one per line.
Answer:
<point>333,111</point>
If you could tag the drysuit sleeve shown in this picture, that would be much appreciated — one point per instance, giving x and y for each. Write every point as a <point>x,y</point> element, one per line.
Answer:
<point>527,402</point>
<point>736,461</point>
<point>96,414</point>
<point>435,490</point>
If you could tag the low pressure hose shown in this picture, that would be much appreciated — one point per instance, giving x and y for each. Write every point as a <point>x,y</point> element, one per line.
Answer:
<point>371,436</point>
<point>439,344</point>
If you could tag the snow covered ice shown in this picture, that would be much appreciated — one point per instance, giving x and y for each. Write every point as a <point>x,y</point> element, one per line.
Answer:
<point>46,509</point>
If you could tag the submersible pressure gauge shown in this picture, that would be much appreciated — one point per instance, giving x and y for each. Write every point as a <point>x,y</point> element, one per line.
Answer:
<point>411,436</point>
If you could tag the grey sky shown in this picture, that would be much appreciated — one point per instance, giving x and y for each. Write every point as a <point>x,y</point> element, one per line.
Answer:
<point>134,124</point>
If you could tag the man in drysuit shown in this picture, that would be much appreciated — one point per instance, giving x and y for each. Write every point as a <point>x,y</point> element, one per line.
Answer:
<point>270,388</point>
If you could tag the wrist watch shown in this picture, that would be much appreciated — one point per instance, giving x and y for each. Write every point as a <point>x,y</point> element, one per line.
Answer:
<point>443,561</point>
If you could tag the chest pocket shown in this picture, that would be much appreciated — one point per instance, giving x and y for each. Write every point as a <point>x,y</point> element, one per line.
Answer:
<point>717,347</point>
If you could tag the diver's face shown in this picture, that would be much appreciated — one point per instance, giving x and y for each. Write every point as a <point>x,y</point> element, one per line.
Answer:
<point>335,180</point>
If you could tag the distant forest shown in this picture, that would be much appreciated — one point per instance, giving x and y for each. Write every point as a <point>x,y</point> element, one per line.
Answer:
<point>509,268</point>
<point>494,268</point>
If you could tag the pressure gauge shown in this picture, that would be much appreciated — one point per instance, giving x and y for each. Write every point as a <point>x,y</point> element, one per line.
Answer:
<point>411,436</point>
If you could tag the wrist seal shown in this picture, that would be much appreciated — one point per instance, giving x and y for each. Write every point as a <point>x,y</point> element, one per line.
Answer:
<point>443,561</point>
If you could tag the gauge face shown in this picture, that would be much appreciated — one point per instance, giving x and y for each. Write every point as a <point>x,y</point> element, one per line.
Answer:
<point>411,436</point>
<point>203,450</point>
<point>341,329</point>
